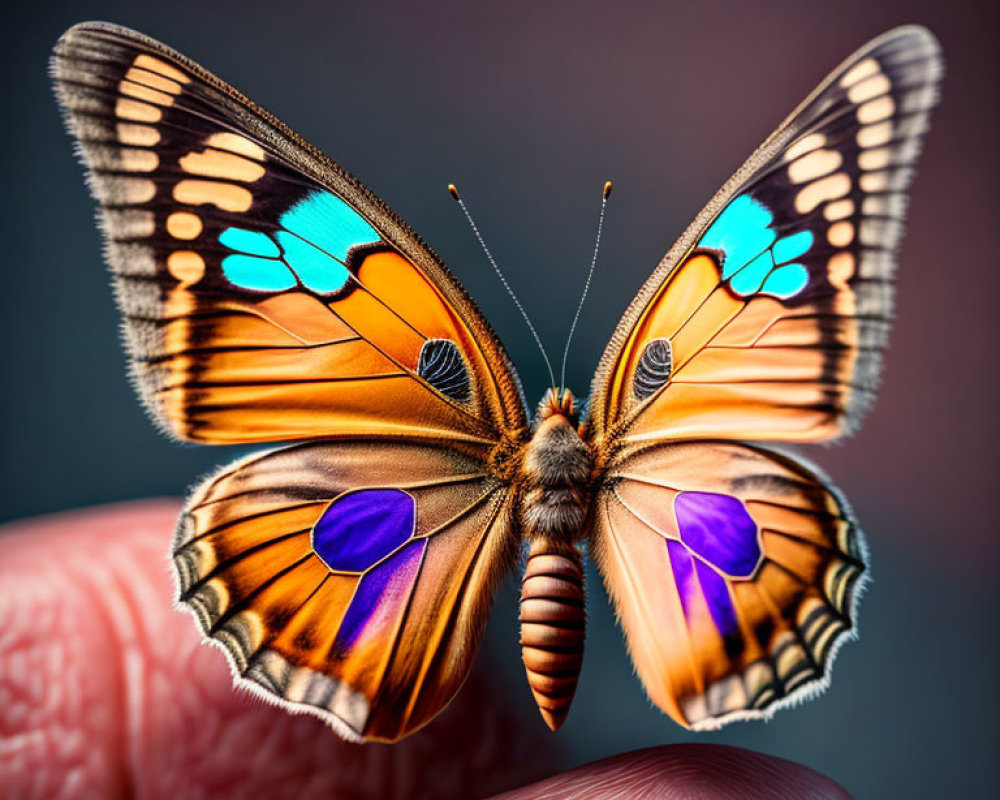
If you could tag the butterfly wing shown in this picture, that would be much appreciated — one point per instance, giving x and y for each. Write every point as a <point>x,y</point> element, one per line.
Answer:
<point>735,570</point>
<point>267,294</point>
<point>349,580</point>
<point>766,320</point>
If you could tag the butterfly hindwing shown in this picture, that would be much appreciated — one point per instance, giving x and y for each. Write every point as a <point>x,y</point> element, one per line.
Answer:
<point>349,580</point>
<point>776,303</point>
<point>734,571</point>
<point>267,294</point>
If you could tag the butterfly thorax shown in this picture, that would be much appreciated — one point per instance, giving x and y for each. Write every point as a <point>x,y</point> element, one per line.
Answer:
<point>556,468</point>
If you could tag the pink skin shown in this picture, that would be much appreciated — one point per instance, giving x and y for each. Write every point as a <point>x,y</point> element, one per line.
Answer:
<point>105,692</point>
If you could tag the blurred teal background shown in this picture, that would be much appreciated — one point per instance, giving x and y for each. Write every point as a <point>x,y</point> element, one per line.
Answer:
<point>529,108</point>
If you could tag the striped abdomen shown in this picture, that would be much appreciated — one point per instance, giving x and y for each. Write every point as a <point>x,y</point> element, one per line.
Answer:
<point>552,625</point>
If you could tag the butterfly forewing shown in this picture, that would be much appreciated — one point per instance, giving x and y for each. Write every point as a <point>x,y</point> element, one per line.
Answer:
<point>776,303</point>
<point>267,294</point>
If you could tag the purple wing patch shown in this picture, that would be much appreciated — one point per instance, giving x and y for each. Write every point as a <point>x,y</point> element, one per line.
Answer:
<point>720,604</point>
<point>380,594</point>
<point>715,531</point>
<point>361,528</point>
<point>692,575</point>
<point>718,528</point>
<point>682,564</point>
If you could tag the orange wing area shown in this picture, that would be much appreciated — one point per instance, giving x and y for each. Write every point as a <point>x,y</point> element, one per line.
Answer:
<point>267,294</point>
<point>746,369</point>
<point>734,571</point>
<point>295,366</point>
<point>377,649</point>
<point>767,319</point>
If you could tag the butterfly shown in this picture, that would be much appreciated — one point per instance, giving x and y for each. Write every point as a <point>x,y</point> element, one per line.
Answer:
<point>268,296</point>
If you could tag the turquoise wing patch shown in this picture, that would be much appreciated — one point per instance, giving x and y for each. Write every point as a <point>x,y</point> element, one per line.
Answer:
<point>755,260</point>
<point>328,223</point>
<point>309,248</point>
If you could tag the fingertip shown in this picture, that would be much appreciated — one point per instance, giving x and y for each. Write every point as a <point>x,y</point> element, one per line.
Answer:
<point>129,523</point>
<point>111,680</point>
<point>686,770</point>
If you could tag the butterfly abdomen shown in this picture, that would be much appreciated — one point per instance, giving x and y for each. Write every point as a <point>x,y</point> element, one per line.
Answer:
<point>553,621</point>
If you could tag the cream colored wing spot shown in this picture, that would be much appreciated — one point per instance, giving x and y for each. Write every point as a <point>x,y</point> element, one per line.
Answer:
<point>186,266</point>
<point>868,89</point>
<point>874,135</point>
<point>840,269</point>
<point>860,71</point>
<point>153,64</point>
<point>210,602</point>
<point>874,181</point>
<point>874,159</point>
<point>840,234</point>
<point>184,225</point>
<point>145,93</point>
<point>222,164</point>
<point>874,263</point>
<point>230,157</point>
<point>236,144</point>
<point>137,135</point>
<point>137,111</point>
<point>830,188</point>
<point>153,80</point>
<point>814,165</point>
<point>805,145</point>
<point>136,160</point>
<point>876,110</point>
<point>840,209</point>
<point>226,196</point>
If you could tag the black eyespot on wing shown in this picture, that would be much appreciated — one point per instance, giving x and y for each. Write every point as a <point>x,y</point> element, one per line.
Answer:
<point>653,368</point>
<point>442,366</point>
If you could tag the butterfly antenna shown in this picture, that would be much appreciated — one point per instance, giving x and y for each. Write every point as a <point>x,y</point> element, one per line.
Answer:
<point>454,193</point>
<point>586,286</point>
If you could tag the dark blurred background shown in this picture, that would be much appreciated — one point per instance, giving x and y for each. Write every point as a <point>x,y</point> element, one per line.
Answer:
<point>529,108</point>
